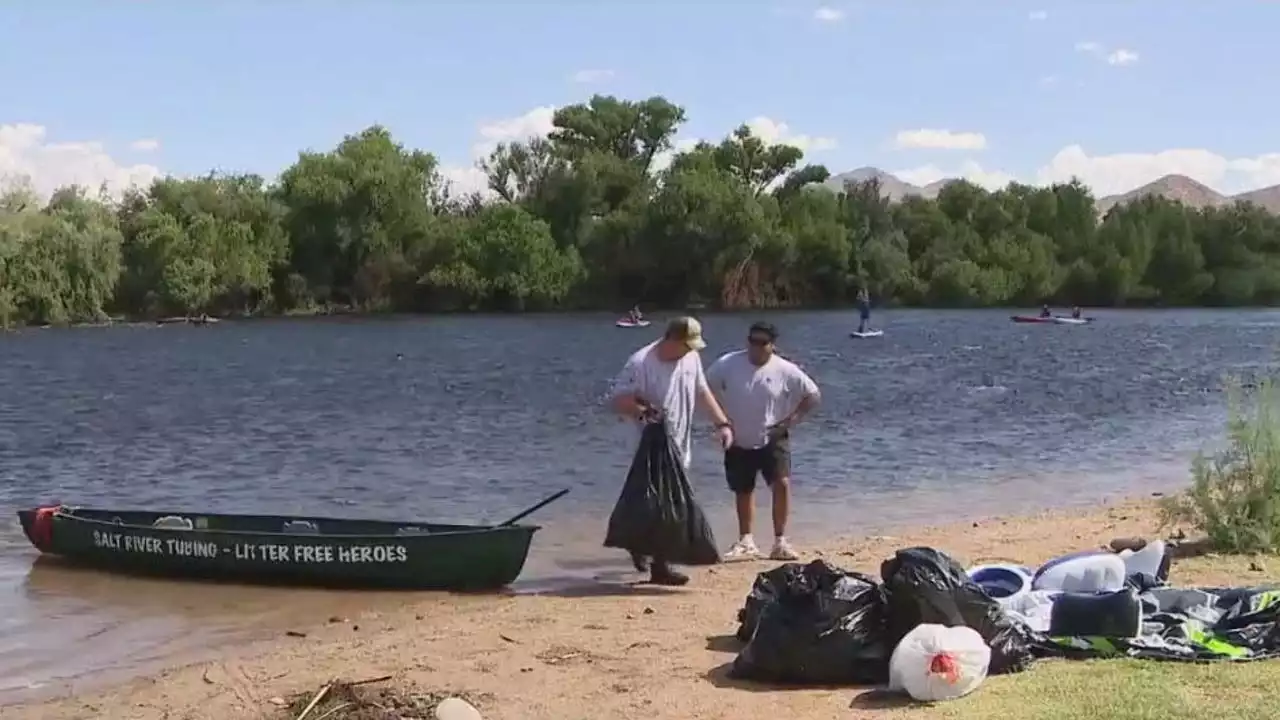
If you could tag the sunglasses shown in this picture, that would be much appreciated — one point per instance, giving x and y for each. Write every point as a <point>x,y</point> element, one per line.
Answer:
<point>759,341</point>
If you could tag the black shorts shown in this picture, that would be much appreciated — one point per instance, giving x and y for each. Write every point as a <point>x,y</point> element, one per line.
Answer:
<point>742,465</point>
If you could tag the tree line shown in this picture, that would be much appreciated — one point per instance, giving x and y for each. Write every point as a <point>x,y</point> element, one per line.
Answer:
<point>601,214</point>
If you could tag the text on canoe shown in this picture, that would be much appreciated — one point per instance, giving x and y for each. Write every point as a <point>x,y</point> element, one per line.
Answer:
<point>260,552</point>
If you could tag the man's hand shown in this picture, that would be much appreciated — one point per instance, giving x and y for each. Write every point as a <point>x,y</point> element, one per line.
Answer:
<point>724,433</point>
<point>779,430</point>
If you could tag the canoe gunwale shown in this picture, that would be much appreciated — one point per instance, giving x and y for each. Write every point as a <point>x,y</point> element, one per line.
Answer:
<point>68,514</point>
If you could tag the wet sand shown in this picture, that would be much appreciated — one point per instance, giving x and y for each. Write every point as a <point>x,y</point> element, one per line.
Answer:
<point>605,647</point>
<point>64,629</point>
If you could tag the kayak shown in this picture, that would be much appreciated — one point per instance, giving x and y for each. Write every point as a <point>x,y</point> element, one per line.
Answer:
<point>1054,320</point>
<point>632,323</point>
<point>866,334</point>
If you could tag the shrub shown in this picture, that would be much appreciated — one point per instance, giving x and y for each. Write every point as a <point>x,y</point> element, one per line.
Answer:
<point>1234,497</point>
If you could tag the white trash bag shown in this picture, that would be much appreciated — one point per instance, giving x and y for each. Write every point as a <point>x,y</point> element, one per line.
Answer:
<point>934,662</point>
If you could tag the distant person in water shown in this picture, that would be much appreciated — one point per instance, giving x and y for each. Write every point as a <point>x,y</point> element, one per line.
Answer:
<point>665,379</point>
<point>864,310</point>
<point>1045,312</point>
<point>764,396</point>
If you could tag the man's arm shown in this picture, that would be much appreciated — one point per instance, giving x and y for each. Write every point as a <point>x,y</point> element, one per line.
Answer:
<point>810,396</point>
<point>625,394</point>
<point>708,399</point>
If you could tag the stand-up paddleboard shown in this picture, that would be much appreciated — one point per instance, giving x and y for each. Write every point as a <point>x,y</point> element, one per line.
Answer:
<point>866,334</point>
<point>632,324</point>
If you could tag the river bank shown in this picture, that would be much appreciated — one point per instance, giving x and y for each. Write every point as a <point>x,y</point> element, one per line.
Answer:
<point>597,649</point>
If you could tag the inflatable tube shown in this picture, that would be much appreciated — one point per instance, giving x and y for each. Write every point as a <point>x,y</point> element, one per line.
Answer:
<point>1088,571</point>
<point>1001,581</point>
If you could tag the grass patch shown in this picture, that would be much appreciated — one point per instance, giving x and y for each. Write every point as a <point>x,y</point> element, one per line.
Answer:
<point>1119,690</point>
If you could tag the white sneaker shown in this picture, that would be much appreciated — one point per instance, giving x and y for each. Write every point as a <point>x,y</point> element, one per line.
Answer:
<point>744,549</point>
<point>782,550</point>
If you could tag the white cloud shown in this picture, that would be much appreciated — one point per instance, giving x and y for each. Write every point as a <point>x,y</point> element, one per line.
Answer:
<point>777,132</point>
<point>145,145</point>
<point>536,123</point>
<point>1118,56</point>
<point>940,139</point>
<point>828,14</point>
<point>1048,81</point>
<point>585,77</point>
<point>662,160</point>
<point>25,151</point>
<point>1120,172</point>
<point>1121,56</point>
<point>969,170</point>
<point>1037,15</point>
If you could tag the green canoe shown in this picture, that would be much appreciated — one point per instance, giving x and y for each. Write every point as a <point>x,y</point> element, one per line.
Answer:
<point>280,549</point>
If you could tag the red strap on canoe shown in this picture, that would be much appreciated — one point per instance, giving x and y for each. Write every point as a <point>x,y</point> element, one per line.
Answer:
<point>42,527</point>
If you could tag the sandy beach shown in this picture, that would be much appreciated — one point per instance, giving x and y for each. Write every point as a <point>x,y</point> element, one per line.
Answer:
<point>602,651</point>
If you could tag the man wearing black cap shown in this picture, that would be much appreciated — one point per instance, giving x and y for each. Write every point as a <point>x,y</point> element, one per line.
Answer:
<point>666,376</point>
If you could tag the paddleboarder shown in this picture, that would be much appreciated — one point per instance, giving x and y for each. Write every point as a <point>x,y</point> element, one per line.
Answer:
<point>764,395</point>
<point>665,378</point>
<point>864,310</point>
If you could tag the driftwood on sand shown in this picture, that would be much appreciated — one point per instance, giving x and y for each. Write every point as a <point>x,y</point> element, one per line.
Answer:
<point>371,699</point>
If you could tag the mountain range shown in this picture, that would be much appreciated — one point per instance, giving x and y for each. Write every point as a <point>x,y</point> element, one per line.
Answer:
<point>1174,187</point>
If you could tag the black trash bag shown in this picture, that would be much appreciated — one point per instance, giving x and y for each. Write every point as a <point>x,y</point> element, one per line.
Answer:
<point>768,586</point>
<point>656,514</point>
<point>822,626</point>
<point>923,585</point>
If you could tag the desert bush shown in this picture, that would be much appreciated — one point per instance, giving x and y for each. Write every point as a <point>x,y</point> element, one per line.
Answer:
<point>1234,498</point>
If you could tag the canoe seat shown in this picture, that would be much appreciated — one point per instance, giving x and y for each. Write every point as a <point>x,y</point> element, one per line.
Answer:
<point>301,527</point>
<point>173,522</point>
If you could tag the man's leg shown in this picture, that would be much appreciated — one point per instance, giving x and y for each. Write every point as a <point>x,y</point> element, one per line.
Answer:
<point>740,469</point>
<point>777,474</point>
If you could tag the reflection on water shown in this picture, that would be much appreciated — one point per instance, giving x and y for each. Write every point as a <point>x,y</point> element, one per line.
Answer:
<point>470,419</point>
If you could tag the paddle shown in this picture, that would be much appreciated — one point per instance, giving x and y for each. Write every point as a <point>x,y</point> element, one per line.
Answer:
<point>535,508</point>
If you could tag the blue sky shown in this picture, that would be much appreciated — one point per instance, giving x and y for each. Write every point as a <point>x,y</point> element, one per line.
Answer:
<point>1143,88</point>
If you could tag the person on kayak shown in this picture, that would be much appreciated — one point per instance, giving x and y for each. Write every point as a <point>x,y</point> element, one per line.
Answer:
<point>764,396</point>
<point>864,310</point>
<point>1045,312</point>
<point>1075,312</point>
<point>666,378</point>
<point>634,314</point>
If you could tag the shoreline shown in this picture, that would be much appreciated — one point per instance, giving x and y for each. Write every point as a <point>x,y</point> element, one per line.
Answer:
<point>353,314</point>
<point>589,650</point>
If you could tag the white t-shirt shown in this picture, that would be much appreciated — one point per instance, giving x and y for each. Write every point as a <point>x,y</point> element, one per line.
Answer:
<point>757,397</point>
<point>672,386</point>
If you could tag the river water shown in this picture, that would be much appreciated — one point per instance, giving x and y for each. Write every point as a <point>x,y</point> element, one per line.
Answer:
<point>950,414</point>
